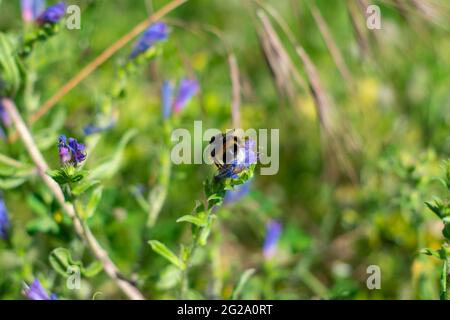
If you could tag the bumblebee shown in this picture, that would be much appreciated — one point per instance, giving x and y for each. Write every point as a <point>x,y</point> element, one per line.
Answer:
<point>225,148</point>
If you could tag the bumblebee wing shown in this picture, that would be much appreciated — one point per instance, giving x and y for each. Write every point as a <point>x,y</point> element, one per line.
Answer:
<point>227,171</point>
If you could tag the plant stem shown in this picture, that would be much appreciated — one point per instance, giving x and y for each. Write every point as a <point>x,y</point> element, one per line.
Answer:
<point>184,281</point>
<point>444,280</point>
<point>81,229</point>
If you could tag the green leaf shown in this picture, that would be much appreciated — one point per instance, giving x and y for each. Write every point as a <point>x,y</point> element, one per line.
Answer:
<point>204,233</point>
<point>430,252</point>
<point>436,207</point>
<point>11,183</point>
<point>93,269</point>
<point>446,230</point>
<point>78,176</point>
<point>83,187</point>
<point>7,171</point>
<point>241,283</point>
<point>10,79</point>
<point>166,253</point>
<point>58,175</point>
<point>198,221</point>
<point>61,259</point>
<point>215,196</point>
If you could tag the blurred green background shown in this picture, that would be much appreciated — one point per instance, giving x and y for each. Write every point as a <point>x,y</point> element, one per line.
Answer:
<point>349,192</point>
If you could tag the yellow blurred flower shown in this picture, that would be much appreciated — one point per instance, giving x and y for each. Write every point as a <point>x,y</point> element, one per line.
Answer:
<point>58,216</point>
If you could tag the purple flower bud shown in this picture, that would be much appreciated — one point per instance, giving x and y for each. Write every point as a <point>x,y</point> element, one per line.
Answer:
<point>63,150</point>
<point>72,152</point>
<point>4,116</point>
<point>186,90</point>
<point>4,220</point>
<point>273,233</point>
<point>4,120</point>
<point>166,98</point>
<point>158,31</point>
<point>36,292</point>
<point>31,9</point>
<point>52,14</point>
<point>78,151</point>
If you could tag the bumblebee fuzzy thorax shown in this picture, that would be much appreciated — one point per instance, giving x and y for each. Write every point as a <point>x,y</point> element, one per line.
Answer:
<point>224,148</point>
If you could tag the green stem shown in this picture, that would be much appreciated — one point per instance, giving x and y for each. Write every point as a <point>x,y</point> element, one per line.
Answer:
<point>197,237</point>
<point>444,280</point>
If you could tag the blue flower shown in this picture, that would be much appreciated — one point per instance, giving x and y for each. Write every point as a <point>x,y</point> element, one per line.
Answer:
<point>36,292</point>
<point>31,9</point>
<point>52,14</point>
<point>158,31</point>
<point>4,116</point>
<point>237,193</point>
<point>63,150</point>
<point>186,90</point>
<point>72,152</point>
<point>4,220</point>
<point>245,157</point>
<point>273,233</point>
<point>4,120</point>
<point>166,98</point>
<point>92,128</point>
<point>78,150</point>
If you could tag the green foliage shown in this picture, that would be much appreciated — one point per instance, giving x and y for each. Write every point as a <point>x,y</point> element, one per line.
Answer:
<point>358,154</point>
<point>67,175</point>
<point>61,260</point>
<point>10,79</point>
<point>165,252</point>
<point>442,210</point>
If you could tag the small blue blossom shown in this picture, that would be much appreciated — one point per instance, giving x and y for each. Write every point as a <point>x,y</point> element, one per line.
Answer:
<point>52,14</point>
<point>249,156</point>
<point>71,152</point>
<point>4,116</point>
<point>158,31</point>
<point>166,99</point>
<point>31,9</point>
<point>245,157</point>
<point>186,90</point>
<point>63,150</point>
<point>92,128</point>
<point>273,233</point>
<point>237,193</point>
<point>4,120</point>
<point>4,220</point>
<point>36,292</point>
<point>78,150</point>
